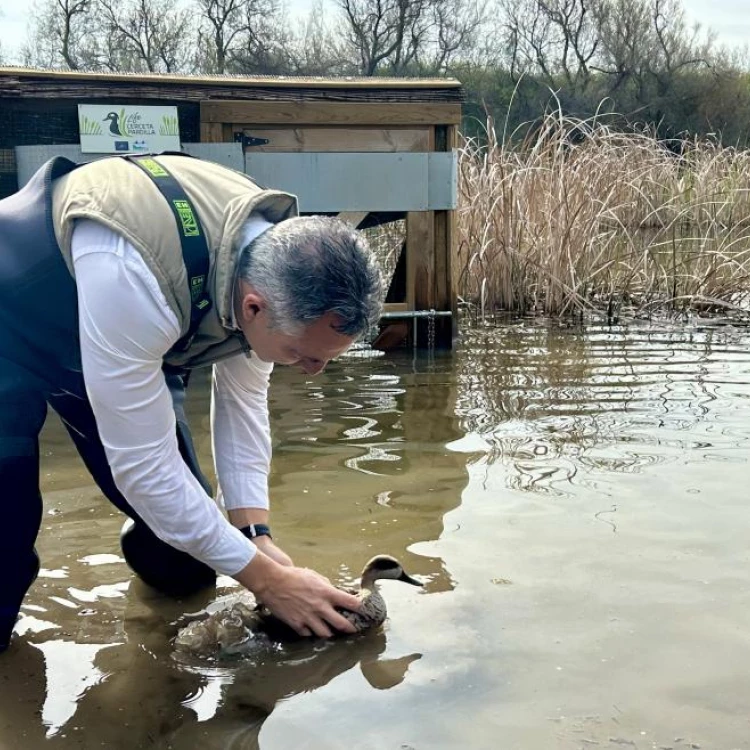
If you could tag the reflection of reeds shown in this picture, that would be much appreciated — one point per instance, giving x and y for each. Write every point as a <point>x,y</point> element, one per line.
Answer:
<point>577,216</point>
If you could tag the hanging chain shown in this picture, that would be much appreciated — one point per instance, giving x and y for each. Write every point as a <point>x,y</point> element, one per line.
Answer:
<point>431,332</point>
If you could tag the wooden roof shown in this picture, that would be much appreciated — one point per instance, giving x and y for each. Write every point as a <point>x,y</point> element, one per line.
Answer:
<point>18,82</point>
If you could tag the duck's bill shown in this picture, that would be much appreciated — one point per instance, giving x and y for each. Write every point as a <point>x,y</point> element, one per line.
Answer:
<point>408,579</point>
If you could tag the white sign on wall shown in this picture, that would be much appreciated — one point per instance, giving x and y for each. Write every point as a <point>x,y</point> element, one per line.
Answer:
<point>123,128</point>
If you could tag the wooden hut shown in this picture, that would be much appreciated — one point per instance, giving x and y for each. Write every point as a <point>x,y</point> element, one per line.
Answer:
<point>373,150</point>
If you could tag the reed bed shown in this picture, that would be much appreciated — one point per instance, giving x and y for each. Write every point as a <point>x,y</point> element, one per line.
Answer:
<point>576,216</point>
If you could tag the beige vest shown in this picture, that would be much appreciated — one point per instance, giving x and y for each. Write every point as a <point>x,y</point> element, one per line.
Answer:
<point>120,195</point>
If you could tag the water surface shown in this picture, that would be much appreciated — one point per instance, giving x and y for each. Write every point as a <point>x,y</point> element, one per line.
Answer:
<point>574,499</point>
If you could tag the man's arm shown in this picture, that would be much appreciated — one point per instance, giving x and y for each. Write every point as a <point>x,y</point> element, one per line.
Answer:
<point>242,444</point>
<point>242,454</point>
<point>126,328</point>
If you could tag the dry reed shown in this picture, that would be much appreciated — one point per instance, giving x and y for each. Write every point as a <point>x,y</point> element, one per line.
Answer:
<point>576,216</point>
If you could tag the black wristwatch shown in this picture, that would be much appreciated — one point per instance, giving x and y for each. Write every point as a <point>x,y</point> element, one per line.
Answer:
<point>256,529</point>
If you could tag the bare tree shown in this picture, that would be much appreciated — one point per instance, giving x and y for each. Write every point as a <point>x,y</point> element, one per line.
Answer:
<point>458,26</point>
<point>623,28</point>
<point>267,42</point>
<point>551,39</point>
<point>227,28</point>
<point>676,45</point>
<point>61,32</point>
<point>647,41</point>
<point>145,35</point>
<point>137,35</point>
<point>577,38</point>
<point>382,31</point>
<point>409,36</point>
<point>221,24</point>
<point>528,39</point>
<point>317,49</point>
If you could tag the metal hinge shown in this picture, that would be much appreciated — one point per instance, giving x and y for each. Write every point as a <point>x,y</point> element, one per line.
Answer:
<point>248,141</point>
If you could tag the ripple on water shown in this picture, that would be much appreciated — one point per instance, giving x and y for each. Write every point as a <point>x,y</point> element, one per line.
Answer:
<point>555,404</point>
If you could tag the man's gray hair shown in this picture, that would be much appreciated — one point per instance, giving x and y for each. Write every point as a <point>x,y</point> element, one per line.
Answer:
<point>308,266</point>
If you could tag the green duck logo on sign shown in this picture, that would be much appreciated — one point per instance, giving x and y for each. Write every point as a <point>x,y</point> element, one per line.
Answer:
<point>130,125</point>
<point>114,124</point>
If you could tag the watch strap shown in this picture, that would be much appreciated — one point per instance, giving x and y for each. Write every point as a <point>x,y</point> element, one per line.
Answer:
<point>256,529</point>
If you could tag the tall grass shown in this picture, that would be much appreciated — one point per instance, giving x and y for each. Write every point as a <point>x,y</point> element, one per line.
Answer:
<point>577,216</point>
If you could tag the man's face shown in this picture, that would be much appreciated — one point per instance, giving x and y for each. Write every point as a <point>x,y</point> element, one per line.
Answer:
<point>312,349</point>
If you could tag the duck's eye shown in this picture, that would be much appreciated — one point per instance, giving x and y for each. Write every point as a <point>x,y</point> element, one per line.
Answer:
<point>387,565</point>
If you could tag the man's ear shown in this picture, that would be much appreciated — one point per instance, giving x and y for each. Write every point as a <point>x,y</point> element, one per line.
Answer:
<point>252,304</point>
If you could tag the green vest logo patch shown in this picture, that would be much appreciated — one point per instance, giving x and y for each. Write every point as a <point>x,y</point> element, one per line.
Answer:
<point>153,167</point>
<point>187,218</point>
<point>196,288</point>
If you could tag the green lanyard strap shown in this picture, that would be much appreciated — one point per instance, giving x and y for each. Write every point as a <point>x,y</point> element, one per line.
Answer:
<point>192,238</point>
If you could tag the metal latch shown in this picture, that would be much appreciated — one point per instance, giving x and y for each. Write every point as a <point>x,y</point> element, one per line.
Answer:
<point>248,141</point>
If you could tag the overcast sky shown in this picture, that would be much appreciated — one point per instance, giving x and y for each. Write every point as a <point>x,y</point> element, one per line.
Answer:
<point>728,18</point>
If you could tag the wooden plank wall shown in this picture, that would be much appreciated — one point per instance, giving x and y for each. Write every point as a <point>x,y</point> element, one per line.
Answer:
<point>383,114</point>
<point>363,127</point>
<point>344,139</point>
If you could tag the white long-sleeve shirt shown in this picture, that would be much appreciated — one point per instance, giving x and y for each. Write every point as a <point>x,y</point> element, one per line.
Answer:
<point>126,328</point>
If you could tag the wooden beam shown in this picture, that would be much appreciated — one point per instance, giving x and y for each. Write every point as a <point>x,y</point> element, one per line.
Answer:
<point>212,132</point>
<point>420,262</point>
<point>391,307</point>
<point>386,114</point>
<point>420,257</point>
<point>446,139</point>
<point>322,139</point>
<point>339,82</point>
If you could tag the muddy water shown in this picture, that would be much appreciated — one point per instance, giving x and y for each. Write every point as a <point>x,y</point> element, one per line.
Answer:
<point>576,502</point>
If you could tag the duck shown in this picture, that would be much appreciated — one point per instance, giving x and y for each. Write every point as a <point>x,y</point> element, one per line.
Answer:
<point>372,609</point>
<point>230,629</point>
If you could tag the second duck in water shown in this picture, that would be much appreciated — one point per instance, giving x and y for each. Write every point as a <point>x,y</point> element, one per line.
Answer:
<point>226,630</point>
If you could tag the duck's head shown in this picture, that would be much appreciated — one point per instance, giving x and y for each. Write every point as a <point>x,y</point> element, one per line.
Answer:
<point>112,116</point>
<point>385,566</point>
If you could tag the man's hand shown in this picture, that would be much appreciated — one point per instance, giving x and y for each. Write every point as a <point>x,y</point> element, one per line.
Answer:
<point>302,598</point>
<point>266,545</point>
